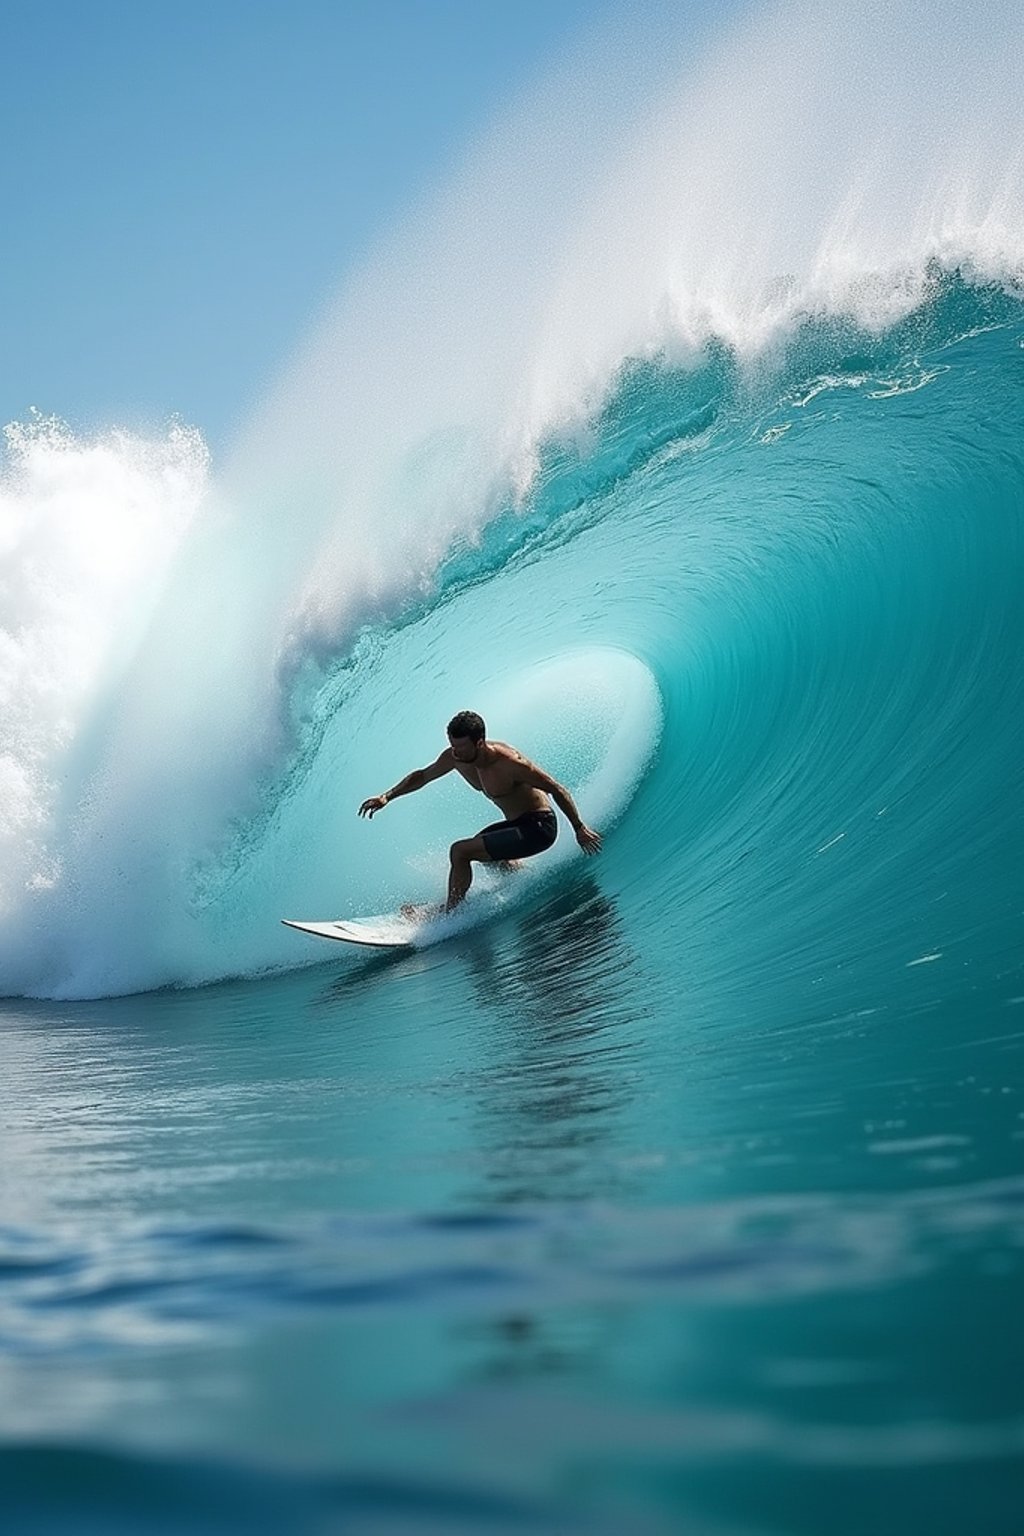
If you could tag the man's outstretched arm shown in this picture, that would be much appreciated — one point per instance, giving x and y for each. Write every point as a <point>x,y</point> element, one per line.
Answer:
<point>588,839</point>
<point>412,781</point>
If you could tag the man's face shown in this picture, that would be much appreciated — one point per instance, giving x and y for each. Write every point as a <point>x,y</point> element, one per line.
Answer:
<point>464,749</point>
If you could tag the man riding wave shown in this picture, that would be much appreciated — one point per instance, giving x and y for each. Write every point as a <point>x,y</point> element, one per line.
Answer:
<point>517,787</point>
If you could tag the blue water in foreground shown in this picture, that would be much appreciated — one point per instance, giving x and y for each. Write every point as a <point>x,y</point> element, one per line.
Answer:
<point>686,1193</point>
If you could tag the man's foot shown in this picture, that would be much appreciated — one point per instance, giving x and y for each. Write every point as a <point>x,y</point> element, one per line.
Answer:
<point>509,866</point>
<point>419,911</point>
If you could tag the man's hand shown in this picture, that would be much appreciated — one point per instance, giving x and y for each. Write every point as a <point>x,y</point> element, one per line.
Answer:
<point>374,804</point>
<point>588,839</point>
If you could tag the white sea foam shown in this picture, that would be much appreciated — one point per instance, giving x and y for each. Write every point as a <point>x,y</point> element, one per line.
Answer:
<point>87,530</point>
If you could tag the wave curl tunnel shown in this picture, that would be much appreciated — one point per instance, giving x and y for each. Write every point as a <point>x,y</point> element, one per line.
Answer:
<point>727,395</point>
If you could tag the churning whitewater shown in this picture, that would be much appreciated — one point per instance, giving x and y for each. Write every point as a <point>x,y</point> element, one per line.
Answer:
<point>697,471</point>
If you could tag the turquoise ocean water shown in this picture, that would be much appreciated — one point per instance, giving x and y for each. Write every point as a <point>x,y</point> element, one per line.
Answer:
<point>682,1189</point>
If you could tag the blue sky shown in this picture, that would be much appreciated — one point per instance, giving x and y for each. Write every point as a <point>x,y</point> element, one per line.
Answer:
<point>185,183</point>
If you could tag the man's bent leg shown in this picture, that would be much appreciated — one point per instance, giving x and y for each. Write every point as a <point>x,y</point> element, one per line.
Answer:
<point>460,878</point>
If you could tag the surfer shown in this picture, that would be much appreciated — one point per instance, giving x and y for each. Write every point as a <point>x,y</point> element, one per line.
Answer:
<point>518,788</point>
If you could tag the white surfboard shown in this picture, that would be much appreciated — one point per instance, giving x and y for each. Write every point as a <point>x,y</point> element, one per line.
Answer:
<point>388,932</point>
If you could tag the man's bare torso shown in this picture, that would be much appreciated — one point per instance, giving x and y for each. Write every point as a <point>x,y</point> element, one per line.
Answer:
<point>497,773</point>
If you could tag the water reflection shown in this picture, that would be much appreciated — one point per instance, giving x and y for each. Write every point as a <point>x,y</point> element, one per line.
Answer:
<point>562,990</point>
<point>363,972</point>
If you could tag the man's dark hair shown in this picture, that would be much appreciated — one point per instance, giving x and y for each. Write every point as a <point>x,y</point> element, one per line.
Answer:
<point>467,723</point>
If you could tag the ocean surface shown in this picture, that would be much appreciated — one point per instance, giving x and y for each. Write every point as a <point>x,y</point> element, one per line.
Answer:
<point>678,1190</point>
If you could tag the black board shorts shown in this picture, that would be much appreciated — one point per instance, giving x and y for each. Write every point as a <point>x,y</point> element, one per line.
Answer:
<point>522,837</point>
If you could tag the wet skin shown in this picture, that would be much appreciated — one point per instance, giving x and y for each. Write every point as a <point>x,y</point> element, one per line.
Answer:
<point>515,785</point>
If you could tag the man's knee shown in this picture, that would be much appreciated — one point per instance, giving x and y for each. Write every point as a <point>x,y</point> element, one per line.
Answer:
<point>465,849</point>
